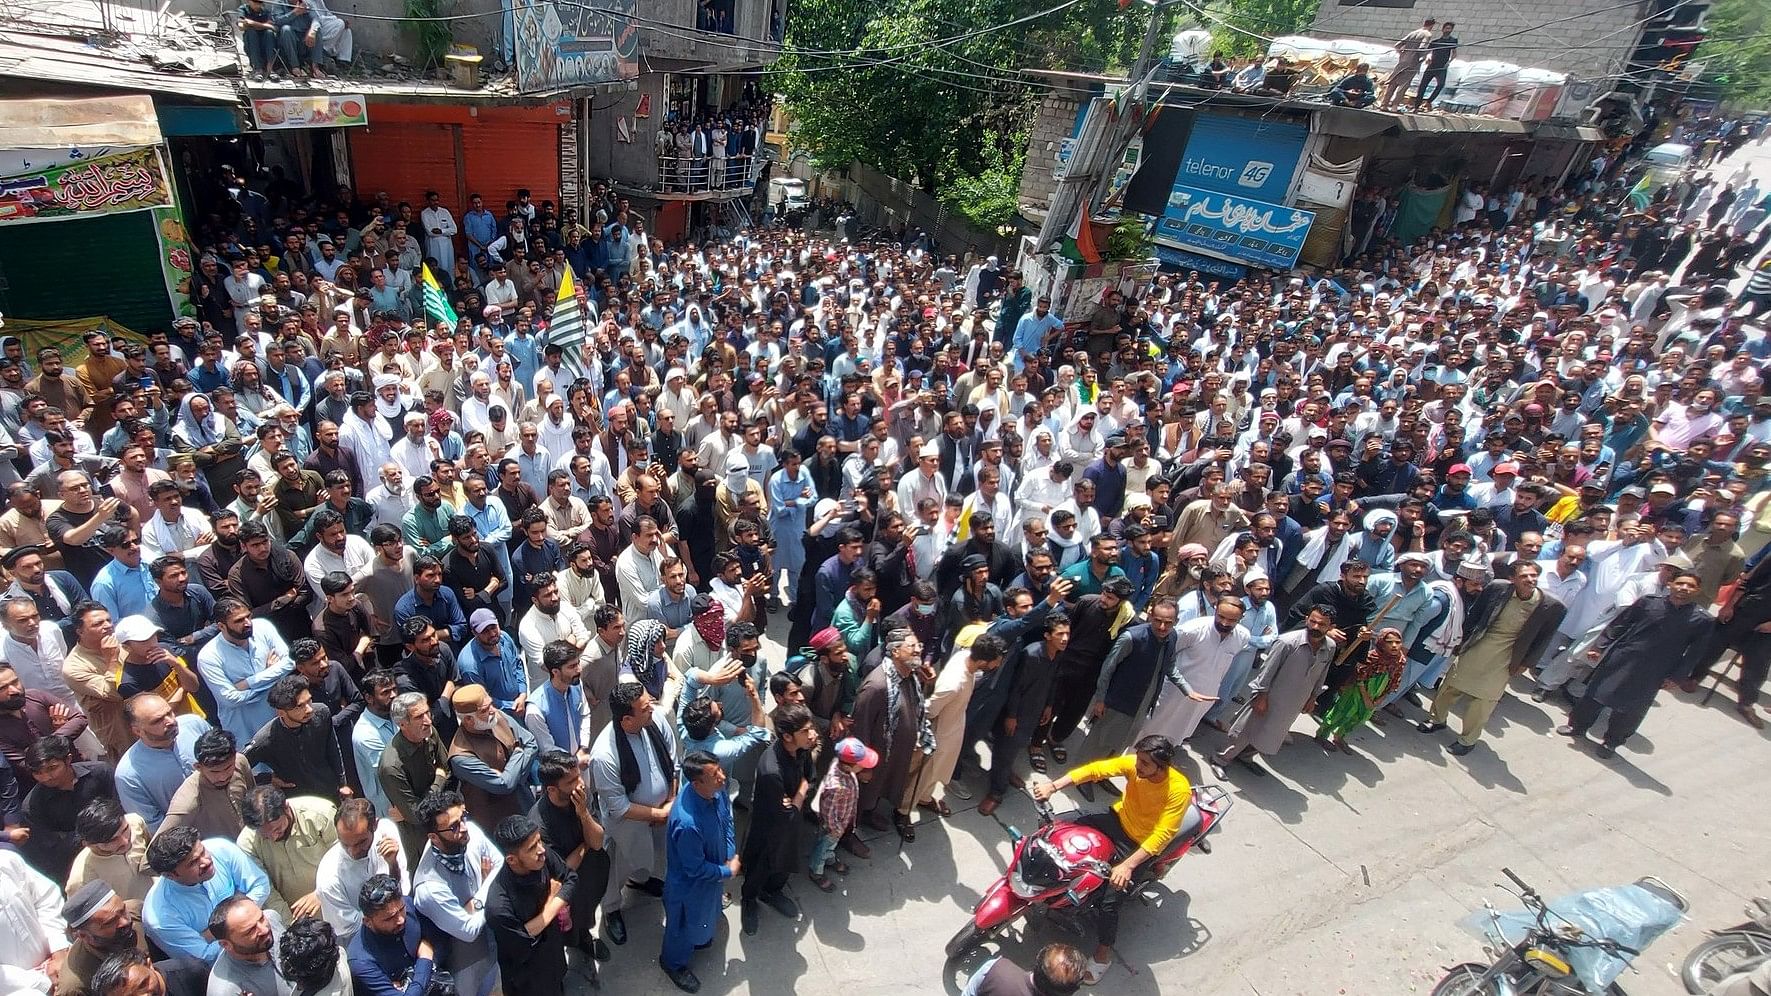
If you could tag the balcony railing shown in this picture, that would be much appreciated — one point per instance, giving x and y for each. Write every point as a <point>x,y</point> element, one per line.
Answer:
<point>705,175</point>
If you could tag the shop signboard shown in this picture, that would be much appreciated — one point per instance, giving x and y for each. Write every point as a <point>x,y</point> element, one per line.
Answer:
<point>129,180</point>
<point>1234,227</point>
<point>323,110</point>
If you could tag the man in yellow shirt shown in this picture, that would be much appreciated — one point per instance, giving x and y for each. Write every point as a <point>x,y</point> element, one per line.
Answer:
<point>1141,824</point>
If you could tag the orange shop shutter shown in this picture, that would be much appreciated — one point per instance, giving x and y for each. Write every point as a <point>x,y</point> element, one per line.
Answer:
<point>501,155</point>
<point>404,158</point>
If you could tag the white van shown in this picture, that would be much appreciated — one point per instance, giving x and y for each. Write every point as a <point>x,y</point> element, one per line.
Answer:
<point>787,193</point>
<point>1666,161</point>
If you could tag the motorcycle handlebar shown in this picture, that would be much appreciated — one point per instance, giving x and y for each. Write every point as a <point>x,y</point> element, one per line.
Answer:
<point>1516,880</point>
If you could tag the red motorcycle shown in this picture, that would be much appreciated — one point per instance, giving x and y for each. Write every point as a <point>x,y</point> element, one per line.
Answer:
<point>1057,871</point>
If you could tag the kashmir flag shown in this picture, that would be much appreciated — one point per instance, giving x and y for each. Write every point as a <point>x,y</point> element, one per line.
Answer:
<point>436,303</point>
<point>567,328</point>
<point>1642,194</point>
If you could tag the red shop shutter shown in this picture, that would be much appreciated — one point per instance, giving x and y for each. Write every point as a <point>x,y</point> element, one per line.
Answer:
<point>504,155</point>
<point>404,158</point>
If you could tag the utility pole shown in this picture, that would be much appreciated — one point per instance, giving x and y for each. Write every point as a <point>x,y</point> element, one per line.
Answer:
<point>1101,147</point>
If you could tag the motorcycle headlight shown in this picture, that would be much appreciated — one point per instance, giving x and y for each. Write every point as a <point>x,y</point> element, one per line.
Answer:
<point>1547,963</point>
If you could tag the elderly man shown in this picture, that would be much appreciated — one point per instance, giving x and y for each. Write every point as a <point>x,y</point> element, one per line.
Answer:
<point>492,756</point>
<point>414,763</point>
<point>288,836</point>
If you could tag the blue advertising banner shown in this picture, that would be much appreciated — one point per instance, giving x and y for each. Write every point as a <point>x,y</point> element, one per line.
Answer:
<point>1248,157</point>
<point>1206,266</point>
<point>1236,227</point>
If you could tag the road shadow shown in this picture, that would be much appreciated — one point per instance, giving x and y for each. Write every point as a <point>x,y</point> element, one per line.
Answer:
<point>1621,765</point>
<point>1162,929</point>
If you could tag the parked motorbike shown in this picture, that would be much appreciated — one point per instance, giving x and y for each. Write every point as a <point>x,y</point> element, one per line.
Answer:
<point>1572,947</point>
<point>1740,948</point>
<point>1058,871</point>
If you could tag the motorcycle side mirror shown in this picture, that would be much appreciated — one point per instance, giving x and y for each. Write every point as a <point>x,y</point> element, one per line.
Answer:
<point>1015,834</point>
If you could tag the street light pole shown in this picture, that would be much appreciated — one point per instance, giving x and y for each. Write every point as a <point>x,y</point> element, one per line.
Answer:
<point>1101,147</point>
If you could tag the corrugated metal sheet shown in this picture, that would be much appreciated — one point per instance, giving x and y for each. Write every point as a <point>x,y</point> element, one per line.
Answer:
<point>504,155</point>
<point>44,58</point>
<point>57,124</point>
<point>404,158</point>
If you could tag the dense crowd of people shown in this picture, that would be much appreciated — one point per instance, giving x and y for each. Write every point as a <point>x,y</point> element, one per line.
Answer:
<point>349,649</point>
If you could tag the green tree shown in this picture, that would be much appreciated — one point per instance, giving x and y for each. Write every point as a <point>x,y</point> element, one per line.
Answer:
<point>1739,58</point>
<point>1241,27</point>
<point>920,90</point>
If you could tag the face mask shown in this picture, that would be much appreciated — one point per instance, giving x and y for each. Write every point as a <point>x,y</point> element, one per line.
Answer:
<point>926,610</point>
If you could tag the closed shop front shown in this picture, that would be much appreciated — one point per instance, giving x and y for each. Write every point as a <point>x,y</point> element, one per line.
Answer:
<point>106,265</point>
<point>458,150</point>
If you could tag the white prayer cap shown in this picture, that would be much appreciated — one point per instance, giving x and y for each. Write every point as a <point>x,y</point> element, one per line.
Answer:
<point>1252,575</point>
<point>928,450</point>
<point>1414,558</point>
<point>386,380</point>
<point>676,373</point>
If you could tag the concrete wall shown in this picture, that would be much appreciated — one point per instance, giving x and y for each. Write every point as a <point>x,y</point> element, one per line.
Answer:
<point>886,202</point>
<point>633,162</point>
<point>1052,125</point>
<point>377,31</point>
<point>1583,45</point>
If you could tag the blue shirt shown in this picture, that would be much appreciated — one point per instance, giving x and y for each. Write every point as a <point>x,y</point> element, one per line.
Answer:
<point>1030,333</point>
<point>388,965</point>
<point>258,665</point>
<point>501,673</point>
<point>444,612</point>
<point>176,915</point>
<point>147,778</point>
<point>369,738</point>
<point>122,589</point>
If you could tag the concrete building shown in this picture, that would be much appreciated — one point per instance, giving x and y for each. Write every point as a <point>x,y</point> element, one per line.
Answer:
<point>1584,38</point>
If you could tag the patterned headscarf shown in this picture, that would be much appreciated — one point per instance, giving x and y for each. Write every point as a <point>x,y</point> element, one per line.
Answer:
<point>636,655</point>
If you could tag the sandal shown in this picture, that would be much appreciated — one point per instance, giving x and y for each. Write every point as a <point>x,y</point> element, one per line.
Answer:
<point>1060,755</point>
<point>906,829</point>
<point>833,865</point>
<point>1036,758</point>
<point>938,807</point>
<point>823,883</point>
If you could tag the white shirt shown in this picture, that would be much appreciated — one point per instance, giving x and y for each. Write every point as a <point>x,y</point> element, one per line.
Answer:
<point>357,560</point>
<point>538,629</point>
<point>40,667</point>
<point>340,877</point>
<point>31,924</point>
<point>159,537</point>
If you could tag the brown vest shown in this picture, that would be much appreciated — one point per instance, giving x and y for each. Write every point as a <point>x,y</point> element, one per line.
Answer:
<point>494,748</point>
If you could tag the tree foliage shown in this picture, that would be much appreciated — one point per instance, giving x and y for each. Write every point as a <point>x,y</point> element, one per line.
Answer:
<point>1739,58</point>
<point>1254,18</point>
<point>912,88</point>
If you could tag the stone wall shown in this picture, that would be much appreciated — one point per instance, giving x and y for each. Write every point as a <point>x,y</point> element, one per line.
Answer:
<point>1580,46</point>
<point>1051,128</point>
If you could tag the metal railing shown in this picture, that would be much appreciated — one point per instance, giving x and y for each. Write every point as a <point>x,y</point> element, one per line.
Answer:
<point>703,174</point>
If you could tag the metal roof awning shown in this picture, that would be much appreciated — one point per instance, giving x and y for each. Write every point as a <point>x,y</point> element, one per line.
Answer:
<point>60,124</point>
<point>46,59</point>
<point>1467,124</point>
<point>1568,133</point>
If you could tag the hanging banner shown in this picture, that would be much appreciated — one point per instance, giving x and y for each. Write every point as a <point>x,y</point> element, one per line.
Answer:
<point>334,110</point>
<point>125,181</point>
<point>561,45</point>
<point>1237,228</point>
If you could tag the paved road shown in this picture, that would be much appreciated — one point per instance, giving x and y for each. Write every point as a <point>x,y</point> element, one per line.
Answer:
<point>1334,875</point>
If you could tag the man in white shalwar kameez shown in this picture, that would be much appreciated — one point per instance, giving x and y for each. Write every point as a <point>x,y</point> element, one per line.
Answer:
<point>439,235</point>
<point>1204,649</point>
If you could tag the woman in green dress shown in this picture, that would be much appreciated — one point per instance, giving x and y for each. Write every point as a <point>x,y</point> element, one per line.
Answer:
<point>1360,696</point>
